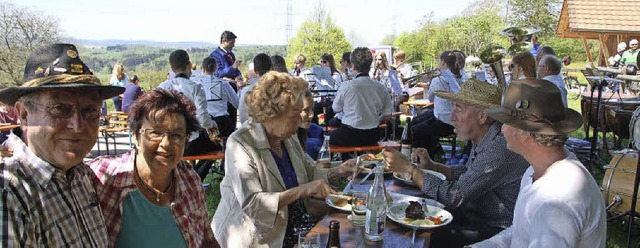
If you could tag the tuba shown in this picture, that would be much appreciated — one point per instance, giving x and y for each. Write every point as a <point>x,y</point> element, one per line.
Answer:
<point>520,38</point>
<point>493,57</point>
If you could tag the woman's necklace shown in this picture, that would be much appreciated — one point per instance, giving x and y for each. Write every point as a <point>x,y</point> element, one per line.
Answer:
<point>151,189</point>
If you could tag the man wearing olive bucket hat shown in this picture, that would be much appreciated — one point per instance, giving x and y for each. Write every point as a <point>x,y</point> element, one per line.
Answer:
<point>559,204</point>
<point>481,193</point>
<point>48,199</point>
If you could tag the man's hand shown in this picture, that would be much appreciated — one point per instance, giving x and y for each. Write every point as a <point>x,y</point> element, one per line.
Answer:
<point>6,151</point>
<point>421,157</point>
<point>396,161</point>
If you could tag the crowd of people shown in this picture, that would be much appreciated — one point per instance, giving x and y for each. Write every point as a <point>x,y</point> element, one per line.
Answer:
<point>519,187</point>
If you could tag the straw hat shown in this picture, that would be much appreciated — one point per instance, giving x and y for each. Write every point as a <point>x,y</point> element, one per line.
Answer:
<point>56,66</point>
<point>477,93</point>
<point>535,105</point>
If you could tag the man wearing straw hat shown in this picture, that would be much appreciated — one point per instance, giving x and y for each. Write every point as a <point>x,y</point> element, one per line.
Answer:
<point>559,204</point>
<point>481,193</point>
<point>48,199</point>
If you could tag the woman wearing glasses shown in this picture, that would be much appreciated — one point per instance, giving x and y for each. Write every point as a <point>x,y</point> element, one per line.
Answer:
<point>268,175</point>
<point>149,197</point>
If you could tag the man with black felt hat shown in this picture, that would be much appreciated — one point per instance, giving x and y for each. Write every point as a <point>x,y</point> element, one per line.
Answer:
<point>559,204</point>
<point>48,199</point>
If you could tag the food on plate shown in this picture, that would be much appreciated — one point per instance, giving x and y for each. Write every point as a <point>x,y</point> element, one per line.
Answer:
<point>414,210</point>
<point>340,200</point>
<point>416,216</point>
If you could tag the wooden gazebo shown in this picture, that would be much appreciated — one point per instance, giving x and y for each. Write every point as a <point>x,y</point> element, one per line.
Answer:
<point>609,21</point>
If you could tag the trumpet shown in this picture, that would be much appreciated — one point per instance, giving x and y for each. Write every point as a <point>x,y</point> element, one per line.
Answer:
<point>413,80</point>
<point>493,57</point>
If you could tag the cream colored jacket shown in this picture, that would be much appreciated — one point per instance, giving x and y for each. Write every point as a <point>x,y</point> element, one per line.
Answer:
<point>248,214</point>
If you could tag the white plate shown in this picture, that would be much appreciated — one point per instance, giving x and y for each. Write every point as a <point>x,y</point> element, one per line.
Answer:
<point>396,213</point>
<point>410,182</point>
<point>345,207</point>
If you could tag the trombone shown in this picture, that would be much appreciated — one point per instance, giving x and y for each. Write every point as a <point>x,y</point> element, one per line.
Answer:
<point>413,80</point>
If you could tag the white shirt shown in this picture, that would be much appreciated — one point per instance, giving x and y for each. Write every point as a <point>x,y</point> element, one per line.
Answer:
<point>442,108</point>
<point>563,208</point>
<point>195,93</point>
<point>406,70</point>
<point>218,93</point>
<point>243,112</point>
<point>558,81</point>
<point>363,101</point>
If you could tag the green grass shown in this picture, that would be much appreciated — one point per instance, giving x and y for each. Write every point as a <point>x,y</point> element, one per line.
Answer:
<point>616,230</point>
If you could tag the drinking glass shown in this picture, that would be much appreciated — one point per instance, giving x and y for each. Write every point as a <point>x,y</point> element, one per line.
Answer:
<point>309,240</point>
<point>359,208</point>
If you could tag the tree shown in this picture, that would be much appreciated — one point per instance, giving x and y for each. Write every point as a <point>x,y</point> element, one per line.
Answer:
<point>388,40</point>
<point>317,36</point>
<point>22,31</point>
<point>540,13</point>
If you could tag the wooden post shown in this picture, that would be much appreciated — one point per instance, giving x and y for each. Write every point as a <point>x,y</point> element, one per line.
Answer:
<point>586,48</point>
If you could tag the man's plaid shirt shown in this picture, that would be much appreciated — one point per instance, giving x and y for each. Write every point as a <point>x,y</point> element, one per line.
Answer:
<point>42,206</point>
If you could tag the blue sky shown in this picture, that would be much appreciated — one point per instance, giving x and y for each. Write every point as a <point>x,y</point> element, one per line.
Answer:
<point>254,22</point>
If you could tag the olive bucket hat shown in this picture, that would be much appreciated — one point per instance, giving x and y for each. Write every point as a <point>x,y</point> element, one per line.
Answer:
<point>535,105</point>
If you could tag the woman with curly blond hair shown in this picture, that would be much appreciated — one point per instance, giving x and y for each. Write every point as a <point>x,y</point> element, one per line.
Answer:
<point>268,177</point>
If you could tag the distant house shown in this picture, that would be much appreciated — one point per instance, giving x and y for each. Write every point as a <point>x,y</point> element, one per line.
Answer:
<point>609,21</point>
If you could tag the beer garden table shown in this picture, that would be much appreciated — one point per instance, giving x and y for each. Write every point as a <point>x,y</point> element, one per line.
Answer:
<point>395,235</point>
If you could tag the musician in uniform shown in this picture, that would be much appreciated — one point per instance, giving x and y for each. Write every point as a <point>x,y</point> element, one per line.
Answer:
<point>227,67</point>
<point>262,64</point>
<point>549,69</point>
<point>365,103</point>
<point>299,67</point>
<point>404,70</point>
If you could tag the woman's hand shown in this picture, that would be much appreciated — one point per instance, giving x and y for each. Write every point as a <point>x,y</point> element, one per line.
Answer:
<point>318,189</point>
<point>396,161</point>
<point>347,168</point>
<point>421,157</point>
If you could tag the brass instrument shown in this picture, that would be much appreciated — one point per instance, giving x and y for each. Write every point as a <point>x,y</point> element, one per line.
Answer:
<point>493,57</point>
<point>520,34</point>
<point>413,80</point>
<point>520,38</point>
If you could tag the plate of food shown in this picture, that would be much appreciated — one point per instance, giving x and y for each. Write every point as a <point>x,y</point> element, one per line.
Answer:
<point>406,177</point>
<point>412,214</point>
<point>341,201</point>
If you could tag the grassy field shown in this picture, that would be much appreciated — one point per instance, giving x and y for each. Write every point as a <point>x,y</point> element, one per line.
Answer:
<point>616,233</point>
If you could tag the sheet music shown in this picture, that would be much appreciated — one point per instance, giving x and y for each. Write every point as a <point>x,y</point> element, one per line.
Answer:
<point>395,83</point>
<point>322,76</point>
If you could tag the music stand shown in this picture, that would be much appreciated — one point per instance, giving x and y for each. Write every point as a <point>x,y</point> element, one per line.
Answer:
<point>597,83</point>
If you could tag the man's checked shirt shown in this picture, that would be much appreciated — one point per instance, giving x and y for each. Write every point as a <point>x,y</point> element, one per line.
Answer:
<point>42,206</point>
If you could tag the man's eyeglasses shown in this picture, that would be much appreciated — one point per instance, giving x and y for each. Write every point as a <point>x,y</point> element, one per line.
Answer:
<point>63,111</point>
<point>323,61</point>
<point>157,136</point>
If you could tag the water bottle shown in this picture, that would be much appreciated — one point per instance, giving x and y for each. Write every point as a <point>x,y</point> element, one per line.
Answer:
<point>324,155</point>
<point>407,139</point>
<point>376,207</point>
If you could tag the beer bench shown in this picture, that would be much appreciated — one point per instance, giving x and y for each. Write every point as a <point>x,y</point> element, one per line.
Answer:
<point>199,163</point>
<point>372,148</point>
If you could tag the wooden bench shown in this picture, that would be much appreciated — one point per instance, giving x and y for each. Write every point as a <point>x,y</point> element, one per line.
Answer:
<point>372,148</point>
<point>110,132</point>
<point>198,162</point>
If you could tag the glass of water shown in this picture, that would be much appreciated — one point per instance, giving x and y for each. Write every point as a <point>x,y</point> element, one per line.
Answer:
<point>359,208</point>
<point>309,240</point>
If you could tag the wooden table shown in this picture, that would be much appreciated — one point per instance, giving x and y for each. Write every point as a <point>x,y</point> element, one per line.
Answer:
<point>395,235</point>
<point>419,102</point>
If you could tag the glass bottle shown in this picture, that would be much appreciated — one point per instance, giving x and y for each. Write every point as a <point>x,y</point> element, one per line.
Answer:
<point>324,155</point>
<point>407,139</point>
<point>376,207</point>
<point>334,234</point>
